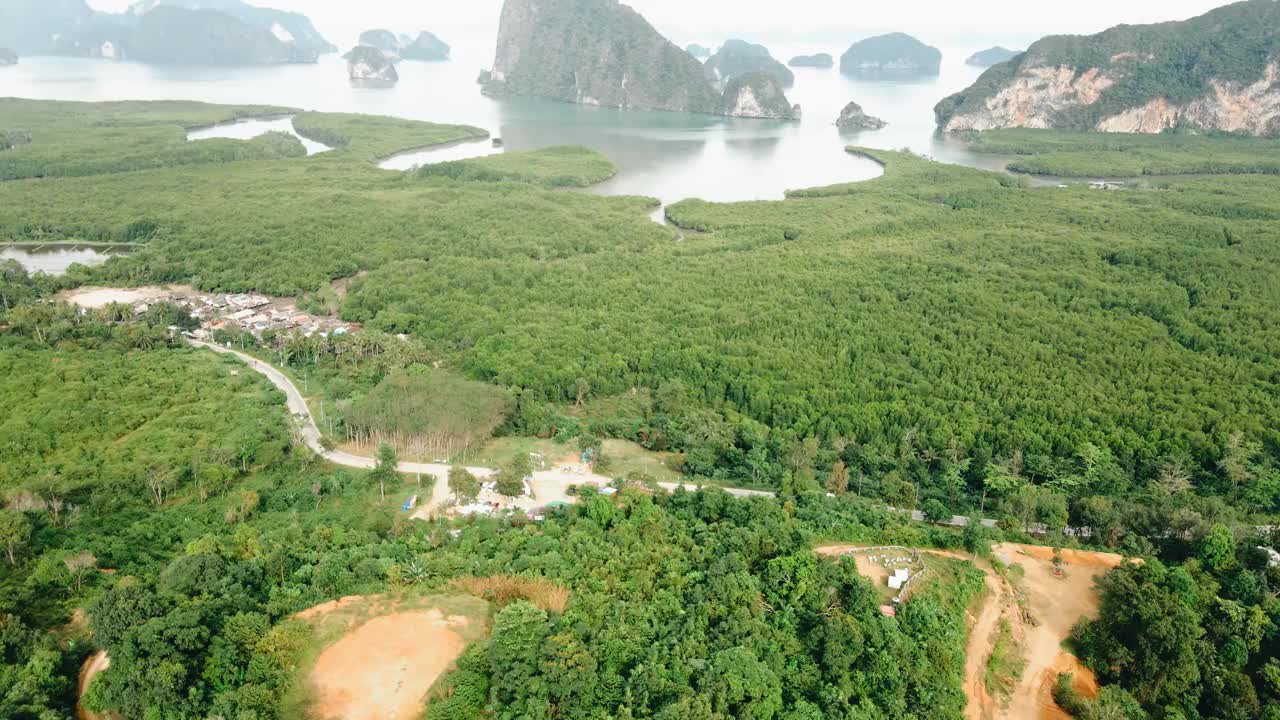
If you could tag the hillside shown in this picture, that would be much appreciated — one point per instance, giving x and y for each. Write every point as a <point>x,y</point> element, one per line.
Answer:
<point>892,56</point>
<point>1219,71</point>
<point>738,57</point>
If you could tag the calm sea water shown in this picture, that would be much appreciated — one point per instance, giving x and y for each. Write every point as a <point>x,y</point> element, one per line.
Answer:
<point>670,156</point>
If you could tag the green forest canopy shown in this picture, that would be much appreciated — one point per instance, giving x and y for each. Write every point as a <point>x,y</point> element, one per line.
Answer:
<point>935,316</point>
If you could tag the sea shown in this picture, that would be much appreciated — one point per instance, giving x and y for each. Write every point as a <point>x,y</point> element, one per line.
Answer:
<point>669,156</point>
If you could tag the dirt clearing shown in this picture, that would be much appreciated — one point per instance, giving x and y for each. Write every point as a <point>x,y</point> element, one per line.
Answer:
<point>1055,603</point>
<point>100,297</point>
<point>383,670</point>
<point>376,657</point>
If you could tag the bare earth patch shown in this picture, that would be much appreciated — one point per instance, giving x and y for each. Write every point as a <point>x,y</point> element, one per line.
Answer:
<point>94,665</point>
<point>383,669</point>
<point>1056,602</point>
<point>99,297</point>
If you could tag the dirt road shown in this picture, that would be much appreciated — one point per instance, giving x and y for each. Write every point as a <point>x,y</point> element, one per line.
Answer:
<point>1057,602</point>
<point>94,665</point>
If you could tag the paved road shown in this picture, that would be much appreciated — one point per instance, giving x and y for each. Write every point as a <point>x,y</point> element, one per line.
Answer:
<point>548,486</point>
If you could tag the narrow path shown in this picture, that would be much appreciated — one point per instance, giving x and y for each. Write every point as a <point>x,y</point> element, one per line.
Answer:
<point>548,486</point>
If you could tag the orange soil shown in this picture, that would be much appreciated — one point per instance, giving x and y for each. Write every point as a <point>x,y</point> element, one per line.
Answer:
<point>1057,604</point>
<point>383,669</point>
<point>323,609</point>
<point>94,665</point>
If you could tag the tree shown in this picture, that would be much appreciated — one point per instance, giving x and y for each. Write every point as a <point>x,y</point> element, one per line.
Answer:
<point>1237,460</point>
<point>935,511</point>
<point>510,480</point>
<point>15,531</point>
<point>386,470</point>
<point>464,486</point>
<point>80,566</point>
<point>1218,549</point>
<point>838,481</point>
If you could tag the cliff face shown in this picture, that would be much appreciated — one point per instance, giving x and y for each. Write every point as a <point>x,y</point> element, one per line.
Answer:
<point>594,52</point>
<point>1138,79</point>
<point>757,95</point>
<point>369,63</point>
<point>426,47</point>
<point>853,118</point>
<point>738,57</point>
<point>384,40</point>
<point>891,56</point>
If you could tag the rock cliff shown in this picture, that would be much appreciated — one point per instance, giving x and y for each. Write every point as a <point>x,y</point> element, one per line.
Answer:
<point>853,118</point>
<point>889,57</point>
<point>368,63</point>
<point>738,57</point>
<point>1145,79</point>
<point>170,35</point>
<point>594,52</point>
<point>426,47</point>
<point>293,29</point>
<point>757,95</point>
<point>991,56</point>
<point>384,40</point>
<point>821,60</point>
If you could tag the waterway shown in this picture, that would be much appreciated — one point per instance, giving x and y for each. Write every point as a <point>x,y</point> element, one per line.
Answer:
<point>55,259</point>
<point>670,156</point>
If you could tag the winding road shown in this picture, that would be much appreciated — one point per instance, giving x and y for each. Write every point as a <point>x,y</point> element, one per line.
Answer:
<point>548,486</point>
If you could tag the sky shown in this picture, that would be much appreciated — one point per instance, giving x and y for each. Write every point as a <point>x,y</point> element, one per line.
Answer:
<point>792,20</point>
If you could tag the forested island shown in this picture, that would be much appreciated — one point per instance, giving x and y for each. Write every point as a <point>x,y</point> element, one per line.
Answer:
<point>821,61</point>
<point>1092,371</point>
<point>892,56</point>
<point>164,32</point>
<point>738,57</point>
<point>991,56</point>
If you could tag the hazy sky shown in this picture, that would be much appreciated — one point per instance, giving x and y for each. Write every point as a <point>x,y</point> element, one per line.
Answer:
<point>712,20</point>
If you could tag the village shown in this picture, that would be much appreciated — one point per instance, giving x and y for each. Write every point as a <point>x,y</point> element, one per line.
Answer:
<point>250,313</point>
